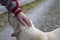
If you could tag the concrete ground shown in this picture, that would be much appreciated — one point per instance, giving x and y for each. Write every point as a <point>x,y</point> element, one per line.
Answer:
<point>45,16</point>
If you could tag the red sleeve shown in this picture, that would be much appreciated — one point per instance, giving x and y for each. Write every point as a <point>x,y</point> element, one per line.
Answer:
<point>16,9</point>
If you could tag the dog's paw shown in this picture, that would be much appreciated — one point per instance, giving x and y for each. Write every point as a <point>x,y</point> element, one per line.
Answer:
<point>13,34</point>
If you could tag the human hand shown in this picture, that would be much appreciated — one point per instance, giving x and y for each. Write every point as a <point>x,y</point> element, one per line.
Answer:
<point>24,19</point>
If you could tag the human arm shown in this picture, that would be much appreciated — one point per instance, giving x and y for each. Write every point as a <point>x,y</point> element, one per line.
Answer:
<point>13,7</point>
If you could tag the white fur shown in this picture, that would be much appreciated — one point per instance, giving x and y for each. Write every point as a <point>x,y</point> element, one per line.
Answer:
<point>32,33</point>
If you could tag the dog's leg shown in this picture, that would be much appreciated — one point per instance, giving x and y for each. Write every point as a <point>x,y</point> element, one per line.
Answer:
<point>17,31</point>
<point>14,22</point>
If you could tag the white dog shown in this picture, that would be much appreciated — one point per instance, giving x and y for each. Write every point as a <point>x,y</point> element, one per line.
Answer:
<point>31,33</point>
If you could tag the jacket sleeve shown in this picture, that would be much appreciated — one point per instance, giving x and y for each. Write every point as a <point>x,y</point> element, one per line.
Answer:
<point>11,5</point>
<point>8,3</point>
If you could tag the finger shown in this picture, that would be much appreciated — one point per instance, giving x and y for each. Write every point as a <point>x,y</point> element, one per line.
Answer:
<point>22,22</point>
<point>27,21</point>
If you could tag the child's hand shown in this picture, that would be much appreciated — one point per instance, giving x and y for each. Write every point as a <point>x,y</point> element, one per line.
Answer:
<point>24,19</point>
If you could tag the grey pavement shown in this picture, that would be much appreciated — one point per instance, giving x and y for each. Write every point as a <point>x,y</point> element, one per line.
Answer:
<point>42,16</point>
<point>23,2</point>
<point>5,34</point>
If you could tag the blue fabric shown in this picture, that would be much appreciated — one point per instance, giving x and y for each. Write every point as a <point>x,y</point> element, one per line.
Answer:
<point>8,3</point>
